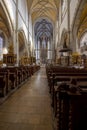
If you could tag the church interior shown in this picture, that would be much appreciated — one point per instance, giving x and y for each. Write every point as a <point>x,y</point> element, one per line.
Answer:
<point>43,64</point>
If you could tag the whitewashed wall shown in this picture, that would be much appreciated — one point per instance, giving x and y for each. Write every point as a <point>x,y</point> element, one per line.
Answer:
<point>63,25</point>
<point>23,16</point>
<point>73,8</point>
<point>63,22</point>
<point>22,9</point>
<point>30,29</point>
<point>11,7</point>
<point>56,35</point>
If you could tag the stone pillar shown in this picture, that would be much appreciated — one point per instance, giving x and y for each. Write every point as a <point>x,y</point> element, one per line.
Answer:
<point>36,47</point>
<point>52,48</point>
<point>49,50</point>
<point>15,39</point>
<point>38,44</point>
<point>38,50</point>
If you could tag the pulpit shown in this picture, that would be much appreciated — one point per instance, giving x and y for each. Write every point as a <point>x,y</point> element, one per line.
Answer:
<point>65,53</point>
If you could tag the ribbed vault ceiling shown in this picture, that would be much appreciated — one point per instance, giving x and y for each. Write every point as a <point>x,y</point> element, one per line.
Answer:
<point>82,21</point>
<point>43,28</point>
<point>4,26</point>
<point>43,8</point>
<point>43,11</point>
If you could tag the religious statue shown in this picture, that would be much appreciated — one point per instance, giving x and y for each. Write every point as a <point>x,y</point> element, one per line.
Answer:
<point>10,49</point>
<point>65,40</point>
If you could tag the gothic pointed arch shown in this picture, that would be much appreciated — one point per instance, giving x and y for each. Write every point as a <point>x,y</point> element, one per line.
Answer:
<point>43,32</point>
<point>6,29</point>
<point>22,43</point>
<point>79,25</point>
<point>5,20</point>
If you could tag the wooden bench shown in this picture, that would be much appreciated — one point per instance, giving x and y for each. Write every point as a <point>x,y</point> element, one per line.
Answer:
<point>5,71</point>
<point>3,89</point>
<point>71,109</point>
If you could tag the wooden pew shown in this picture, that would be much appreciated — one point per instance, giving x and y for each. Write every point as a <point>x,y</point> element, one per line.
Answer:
<point>71,108</point>
<point>67,80</point>
<point>13,76</point>
<point>5,71</point>
<point>60,74</point>
<point>3,89</point>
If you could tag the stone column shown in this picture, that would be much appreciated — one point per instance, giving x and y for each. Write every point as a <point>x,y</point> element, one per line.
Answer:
<point>38,50</point>
<point>49,49</point>
<point>16,43</point>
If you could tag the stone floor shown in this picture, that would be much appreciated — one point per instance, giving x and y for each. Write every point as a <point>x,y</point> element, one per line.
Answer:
<point>29,108</point>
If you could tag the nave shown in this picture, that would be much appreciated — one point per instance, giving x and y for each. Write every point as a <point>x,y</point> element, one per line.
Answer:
<point>29,108</point>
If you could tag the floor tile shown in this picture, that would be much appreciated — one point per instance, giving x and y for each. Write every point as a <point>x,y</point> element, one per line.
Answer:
<point>29,107</point>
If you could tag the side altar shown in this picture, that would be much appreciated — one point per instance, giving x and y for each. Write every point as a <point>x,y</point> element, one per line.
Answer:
<point>10,58</point>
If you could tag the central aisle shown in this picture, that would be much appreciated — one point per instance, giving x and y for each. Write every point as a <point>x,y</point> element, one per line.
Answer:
<point>29,108</point>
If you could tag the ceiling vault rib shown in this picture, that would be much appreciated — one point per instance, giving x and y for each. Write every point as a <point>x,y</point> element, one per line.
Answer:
<point>43,8</point>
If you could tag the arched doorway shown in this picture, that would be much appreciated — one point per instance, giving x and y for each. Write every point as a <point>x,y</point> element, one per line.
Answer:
<point>5,32</point>
<point>22,44</point>
<point>79,25</point>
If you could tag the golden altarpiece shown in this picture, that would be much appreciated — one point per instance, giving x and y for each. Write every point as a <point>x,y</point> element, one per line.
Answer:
<point>78,59</point>
<point>10,58</point>
<point>25,60</point>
